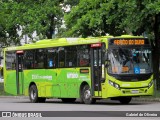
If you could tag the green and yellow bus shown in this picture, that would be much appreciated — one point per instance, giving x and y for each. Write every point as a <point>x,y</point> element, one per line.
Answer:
<point>90,69</point>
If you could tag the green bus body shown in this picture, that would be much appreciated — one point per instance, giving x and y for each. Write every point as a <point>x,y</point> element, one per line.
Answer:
<point>69,81</point>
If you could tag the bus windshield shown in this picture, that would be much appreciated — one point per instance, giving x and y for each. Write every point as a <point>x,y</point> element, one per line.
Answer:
<point>129,60</point>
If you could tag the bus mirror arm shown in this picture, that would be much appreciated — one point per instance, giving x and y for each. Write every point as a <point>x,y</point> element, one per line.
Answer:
<point>102,80</point>
<point>106,56</point>
<point>107,63</point>
<point>106,59</point>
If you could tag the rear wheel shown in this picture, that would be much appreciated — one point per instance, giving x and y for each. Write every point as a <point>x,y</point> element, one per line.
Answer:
<point>33,95</point>
<point>68,100</point>
<point>125,100</point>
<point>86,95</point>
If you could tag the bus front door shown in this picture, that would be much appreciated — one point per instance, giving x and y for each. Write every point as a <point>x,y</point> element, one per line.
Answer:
<point>19,72</point>
<point>96,70</point>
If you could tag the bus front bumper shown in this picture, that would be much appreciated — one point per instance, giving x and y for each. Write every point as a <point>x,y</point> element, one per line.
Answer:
<point>114,90</point>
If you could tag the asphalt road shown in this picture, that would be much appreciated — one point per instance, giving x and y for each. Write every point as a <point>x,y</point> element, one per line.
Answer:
<point>55,108</point>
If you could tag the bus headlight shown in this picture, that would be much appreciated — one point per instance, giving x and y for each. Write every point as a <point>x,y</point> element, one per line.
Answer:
<point>114,84</point>
<point>117,86</point>
<point>111,83</point>
<point>150,84</point>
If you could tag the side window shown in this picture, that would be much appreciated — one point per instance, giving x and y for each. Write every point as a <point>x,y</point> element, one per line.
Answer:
<point>83,55</point>
<point>61,56</point>
<point>52,58</point>
<point>71,56</point>
<point>29,59</point>
<point>39,58</point>
<point>10,60</point>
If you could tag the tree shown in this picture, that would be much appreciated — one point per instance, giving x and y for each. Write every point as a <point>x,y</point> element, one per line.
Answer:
<point>2,26</point>
<point>93,18</point>
<point>6,35</point>
<point>29,16</point>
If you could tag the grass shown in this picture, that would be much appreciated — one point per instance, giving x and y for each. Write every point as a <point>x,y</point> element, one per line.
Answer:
<point>2,92</point>
<point>156,94</point>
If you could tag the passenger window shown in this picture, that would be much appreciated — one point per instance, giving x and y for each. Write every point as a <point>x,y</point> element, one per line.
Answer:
<point>83,56</point>
<point>71,56</point>
<point>29,59</point>
<point>61,54</point>
<point>39,58</point>
<point>10,60</point>
<point>52,58</point>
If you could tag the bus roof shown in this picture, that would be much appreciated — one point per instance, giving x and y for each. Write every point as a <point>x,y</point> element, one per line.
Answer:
<point>59,42</point>
<point>128,36</point>
<point>66,42</point>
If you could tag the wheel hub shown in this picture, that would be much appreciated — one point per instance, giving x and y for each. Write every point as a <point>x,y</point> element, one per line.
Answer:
<point>87,94</point>
<point>33,94</point>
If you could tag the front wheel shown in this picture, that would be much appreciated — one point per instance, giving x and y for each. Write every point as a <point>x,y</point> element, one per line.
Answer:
<point>125,100</point>
<point>86,95</point>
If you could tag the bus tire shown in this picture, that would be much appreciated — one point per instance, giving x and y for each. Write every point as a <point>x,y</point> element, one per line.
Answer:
<point>86,95</point>
<point>125,100</point>
<point>33,94</point>
<point>68,100</point>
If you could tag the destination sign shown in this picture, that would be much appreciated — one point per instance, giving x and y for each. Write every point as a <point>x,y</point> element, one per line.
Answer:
<point>128,42</point>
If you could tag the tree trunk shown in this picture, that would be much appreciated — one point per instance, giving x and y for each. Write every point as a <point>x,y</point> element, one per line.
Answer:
<point>156,51</point>
<point>51,29</point>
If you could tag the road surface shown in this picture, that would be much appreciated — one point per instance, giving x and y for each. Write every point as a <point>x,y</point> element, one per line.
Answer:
<point>21,107</point>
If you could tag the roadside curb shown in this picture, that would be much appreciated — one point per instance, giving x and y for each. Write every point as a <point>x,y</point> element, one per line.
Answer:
<point>20,97</point>
<point>147,99</point>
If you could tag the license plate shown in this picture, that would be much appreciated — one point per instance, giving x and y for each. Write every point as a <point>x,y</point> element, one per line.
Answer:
<point>135,91</point>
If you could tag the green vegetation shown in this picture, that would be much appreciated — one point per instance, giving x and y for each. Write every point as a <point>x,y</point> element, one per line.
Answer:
<point>42,16</point>
<point>2,92</point>
<point>157,93</point>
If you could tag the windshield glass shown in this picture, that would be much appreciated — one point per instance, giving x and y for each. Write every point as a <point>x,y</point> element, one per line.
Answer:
<point>129,60</point>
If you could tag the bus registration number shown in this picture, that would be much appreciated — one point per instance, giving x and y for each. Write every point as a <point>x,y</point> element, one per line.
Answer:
<point>135,91</point>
